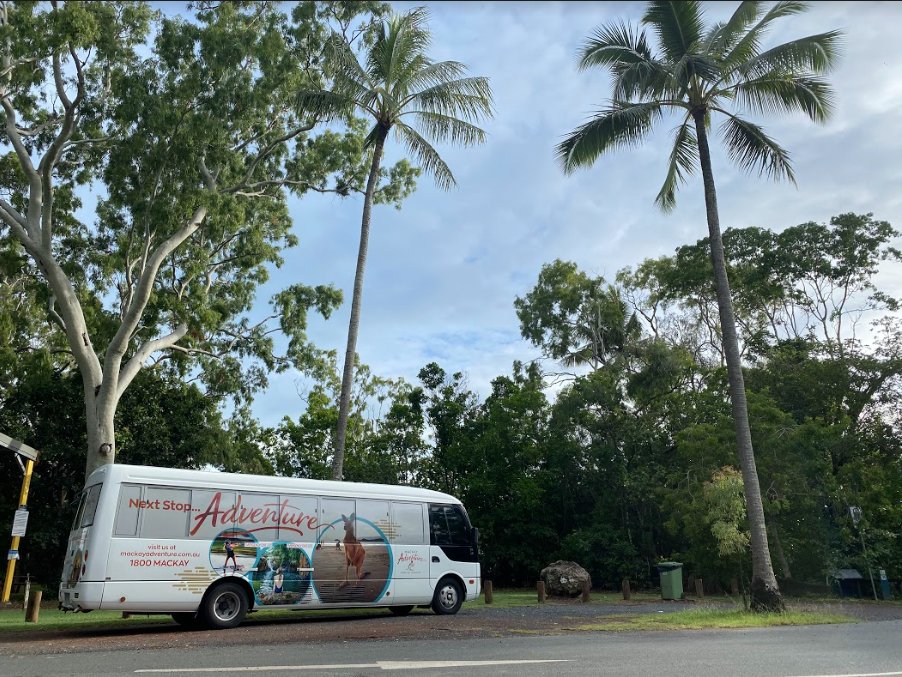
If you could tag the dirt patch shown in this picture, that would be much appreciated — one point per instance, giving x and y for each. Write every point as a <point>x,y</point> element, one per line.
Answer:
<point>261,629</point>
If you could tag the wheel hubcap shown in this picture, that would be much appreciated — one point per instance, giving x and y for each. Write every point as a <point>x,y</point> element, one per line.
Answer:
<point>448,597</point>
<point>227,606</point>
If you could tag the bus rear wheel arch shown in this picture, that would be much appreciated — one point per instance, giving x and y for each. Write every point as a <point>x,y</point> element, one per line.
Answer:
<point>448,596</point>
<point>224,605</point>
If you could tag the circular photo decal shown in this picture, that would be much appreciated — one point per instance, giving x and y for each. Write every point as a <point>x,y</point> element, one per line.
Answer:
<point>233,551</point>
<point>352,561</point>
<point>282,575</point>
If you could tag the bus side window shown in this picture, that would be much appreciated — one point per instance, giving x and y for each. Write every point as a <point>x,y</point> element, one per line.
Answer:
<point>375,513</point>
<point>166,512</point>
<point>128,510</point>
<point>448,526</point>
<point>300,517</point>
<point>458,529</point>
<point>407,523</point>
<point>438,526</point>
<point>332,525</point>
<point>264,513</point>
<point>208,508</point>
<point>92,496</point>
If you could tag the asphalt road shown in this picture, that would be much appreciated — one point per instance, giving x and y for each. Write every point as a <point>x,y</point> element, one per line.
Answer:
<point>870,648</point>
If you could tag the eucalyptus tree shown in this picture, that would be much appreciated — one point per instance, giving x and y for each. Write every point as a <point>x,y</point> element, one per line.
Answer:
<point>578,320</point>
<point>397,87</point>
<point>811,282</point>
<point>698,72</point>
<point>178,138</point>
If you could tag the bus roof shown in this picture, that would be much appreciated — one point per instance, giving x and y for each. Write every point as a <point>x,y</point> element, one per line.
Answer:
<point>146,474</point>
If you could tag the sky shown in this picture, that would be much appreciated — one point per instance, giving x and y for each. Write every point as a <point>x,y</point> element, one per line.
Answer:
<point>444,271</point>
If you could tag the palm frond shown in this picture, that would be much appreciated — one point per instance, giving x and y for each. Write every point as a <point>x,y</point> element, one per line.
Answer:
<point>426,156</point>
<point>723,37</point>
<point>324,105</point>
<point>683,159</point>
<point>637,74</point>
<point>747,47</point>
<point>678,25</point>
<point>370,140</point>
<point>349,78</point>
<point>435,73</point>
<point>623,124</point>
<point>613,45</point>
<point>814,54</point>
<point>691,70</point>
<point>787,93</point>
<point>443,128</point>
<point>752,149</point>
<point>404,37</point>
<point>470,98</point>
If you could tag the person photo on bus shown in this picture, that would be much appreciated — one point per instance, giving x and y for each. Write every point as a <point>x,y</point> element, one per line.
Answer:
<point>230,555</point>
<point>277,581</point>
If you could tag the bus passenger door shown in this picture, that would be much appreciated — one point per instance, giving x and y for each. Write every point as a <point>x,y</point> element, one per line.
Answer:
<point>410,554</point>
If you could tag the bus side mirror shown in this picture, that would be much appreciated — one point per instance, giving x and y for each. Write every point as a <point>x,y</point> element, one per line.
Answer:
<point>474,535</point>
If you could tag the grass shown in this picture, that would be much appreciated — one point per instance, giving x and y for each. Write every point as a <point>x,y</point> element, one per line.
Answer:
<point>506,598</point>
<point>13,620</point>
<point>708,618</point>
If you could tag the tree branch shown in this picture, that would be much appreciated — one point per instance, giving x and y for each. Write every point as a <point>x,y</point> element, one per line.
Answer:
<point>269,148</point>
<point>133,366</point>
<point>143,289</point>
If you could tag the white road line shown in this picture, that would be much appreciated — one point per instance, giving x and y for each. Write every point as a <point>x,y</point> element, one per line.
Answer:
<point>382,665</point>
<point>859,674</point>
<point>423,665</point>
<point>267,668</point>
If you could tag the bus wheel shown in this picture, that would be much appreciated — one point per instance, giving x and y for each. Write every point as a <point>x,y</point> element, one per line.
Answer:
<point>401,610</point>
<point>187,619</point>
<point>224,606</point>
<point>448,597</point>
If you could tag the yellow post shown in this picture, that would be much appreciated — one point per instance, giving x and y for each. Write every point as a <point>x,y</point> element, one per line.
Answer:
<point>23,501</point>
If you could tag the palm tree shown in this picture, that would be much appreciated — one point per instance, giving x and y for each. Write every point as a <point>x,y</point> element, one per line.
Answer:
<point>404,91</point>
<point>697,72</point>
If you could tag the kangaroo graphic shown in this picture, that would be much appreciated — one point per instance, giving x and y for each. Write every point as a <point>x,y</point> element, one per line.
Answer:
<point>355,553</point>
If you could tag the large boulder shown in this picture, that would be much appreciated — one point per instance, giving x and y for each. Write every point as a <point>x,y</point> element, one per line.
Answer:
<point>564,579</point>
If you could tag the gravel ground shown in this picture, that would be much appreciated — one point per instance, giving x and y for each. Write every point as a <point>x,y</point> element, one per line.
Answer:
<point>553,617</point>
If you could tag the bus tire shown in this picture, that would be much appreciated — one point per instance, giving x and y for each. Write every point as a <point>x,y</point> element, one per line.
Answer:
<point>224,606</point>
<point>187,619</point>
<point>401,610</point>
<point>448,597</point>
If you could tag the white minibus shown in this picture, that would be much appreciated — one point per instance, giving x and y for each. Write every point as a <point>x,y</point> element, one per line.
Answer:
<point>208,547</point>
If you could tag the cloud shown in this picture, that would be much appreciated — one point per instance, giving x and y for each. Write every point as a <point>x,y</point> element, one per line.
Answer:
<point>443,272</point>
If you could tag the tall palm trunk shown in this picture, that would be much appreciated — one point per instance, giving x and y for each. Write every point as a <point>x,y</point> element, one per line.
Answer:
<point>347,376</point>
<point>765,594</point>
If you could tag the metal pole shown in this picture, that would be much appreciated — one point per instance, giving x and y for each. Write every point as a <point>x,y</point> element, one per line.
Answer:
<point>868,561</point>
<point>11,563</point>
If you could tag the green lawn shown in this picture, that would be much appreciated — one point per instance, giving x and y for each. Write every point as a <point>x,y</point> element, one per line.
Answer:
<point>506,597</point>
<point>724,614</point>
<point>708,618</point>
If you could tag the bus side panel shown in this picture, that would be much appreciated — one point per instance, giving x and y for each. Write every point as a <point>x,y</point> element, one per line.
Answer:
<point>410,552</point>
<point>411,575</point>
<point>172,575</point>
<point>468,572</point>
